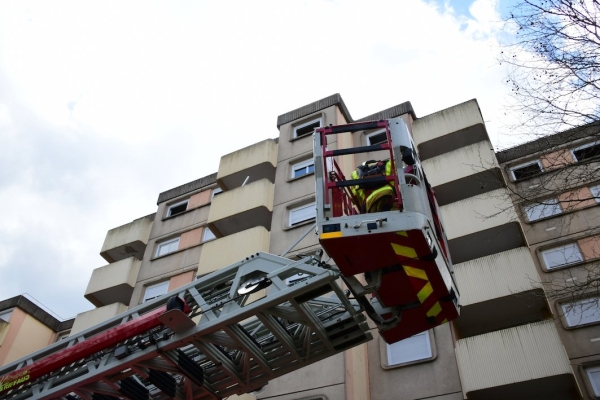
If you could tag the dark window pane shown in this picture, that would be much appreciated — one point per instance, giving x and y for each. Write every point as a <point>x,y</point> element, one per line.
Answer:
<point>527,171</point>
<point>379,138</point>
<point>308,129</point>
<point>587,152</point>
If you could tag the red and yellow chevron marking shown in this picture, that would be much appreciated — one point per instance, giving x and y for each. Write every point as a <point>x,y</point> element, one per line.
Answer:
<point>420,282</point>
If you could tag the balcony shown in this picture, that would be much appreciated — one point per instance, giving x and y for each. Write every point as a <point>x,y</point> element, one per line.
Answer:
<point>222,252</point>
<point>523,362</point>
<point>113,283</point>
<point>481,225</point>
<point>90,318</point>
<point>128,240</point>
<point>242,208</point>
<point>499,291</point>
<point>466,172</point>
<point>256,162</point>
<point>449,129</point>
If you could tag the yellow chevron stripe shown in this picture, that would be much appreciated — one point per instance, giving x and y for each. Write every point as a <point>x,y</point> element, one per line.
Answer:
<point>425,292</point>
<point>445,320</point>
<point>415,272</point>
<point>404,251</point>
<point>402,233</point>
<point>435,310</point>
<point>331,235</point>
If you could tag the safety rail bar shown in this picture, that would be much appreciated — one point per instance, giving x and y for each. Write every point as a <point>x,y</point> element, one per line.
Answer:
<point>245,327</point>
<point>343,183</point>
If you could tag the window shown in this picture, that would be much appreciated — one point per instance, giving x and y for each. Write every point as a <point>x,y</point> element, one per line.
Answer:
<point>582,312</point>
<point>546,208</point>
<point>216,192</point>
<point>561,256</point>
<point>593,374</point>
<point>415,348</point>
<point>5,315</point>
<point>307,128</point>
<point>526,170</point>
<point>167,247</point>
<point>177,208</point>
<point>208,235</point>
<point>596,193</point>
<point>153,291</point>
<point>303,168</point>
<point>302,213</point>
<point>587,151</point>
<point>376,138</point>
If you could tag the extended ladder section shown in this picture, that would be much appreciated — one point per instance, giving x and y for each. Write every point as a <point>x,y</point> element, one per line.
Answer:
<point>235,330</point>
<point>382,227</point>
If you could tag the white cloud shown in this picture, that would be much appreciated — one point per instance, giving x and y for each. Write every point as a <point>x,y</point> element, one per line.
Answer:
<point>104,105</point>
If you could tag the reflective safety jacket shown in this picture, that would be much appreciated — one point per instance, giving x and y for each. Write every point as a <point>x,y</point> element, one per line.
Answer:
<point>377,196</point>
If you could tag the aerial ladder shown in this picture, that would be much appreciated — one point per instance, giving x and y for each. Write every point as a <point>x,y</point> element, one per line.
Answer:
<point>234,330</point>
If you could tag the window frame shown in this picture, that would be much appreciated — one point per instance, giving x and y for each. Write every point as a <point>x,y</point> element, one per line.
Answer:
<point>368,137</point>
<point>595,389</point>
<point>542,204</point>
<point>566,307</point>
<point>304,125</point>
<point>299,165</point>
<point>179,203</point>
<point>296,208</point>
<point>387,357</point>
<point>547,261</point>
<point>216,191</point>
<point>513,168</point>
<point>595,190</point>
<point>164,243</point>
<point>6,312</point>
<point>204,238</point>
<point>156,285</point>
<point>583,146</point>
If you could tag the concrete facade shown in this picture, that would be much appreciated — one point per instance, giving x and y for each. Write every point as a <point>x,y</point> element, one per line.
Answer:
<point>563,240</point>
<point>26,327</point>
<point>498,348</point>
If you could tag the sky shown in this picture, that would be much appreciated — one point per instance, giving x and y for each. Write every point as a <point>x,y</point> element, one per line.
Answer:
<point>103,105</point>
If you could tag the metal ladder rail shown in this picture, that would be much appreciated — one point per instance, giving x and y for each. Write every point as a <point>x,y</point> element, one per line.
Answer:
<point>221,330</point>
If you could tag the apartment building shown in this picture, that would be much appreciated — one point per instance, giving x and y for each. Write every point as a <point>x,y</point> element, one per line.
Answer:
<point>25,327</point>
<point>506,343</point>
<point>555,185</point>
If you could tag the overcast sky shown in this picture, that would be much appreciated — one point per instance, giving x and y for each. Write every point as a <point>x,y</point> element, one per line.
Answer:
<point>104,105</point>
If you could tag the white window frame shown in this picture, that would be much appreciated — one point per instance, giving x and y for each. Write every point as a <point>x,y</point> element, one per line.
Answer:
<point>581,312</point>
<point>6,314</point>
<point>595,192</point>
<point>302,165</point>
<point>545,205</point>
<point>161,288</point>
<point>570,251</point>
<point>208,234</point>
<point>594,384</point>
<point>425,352</point>
<point>172,206</point>
<point>215,192</point>
<point>297,210</point>
<point>370,135</point>
<point>169,244</point>
<point>305,124</point>
<point>583,146</point>
<point>512,169</point>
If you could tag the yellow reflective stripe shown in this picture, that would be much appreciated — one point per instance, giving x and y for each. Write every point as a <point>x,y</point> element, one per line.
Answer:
<point>331,235</point>
<point>404,251</point>
<point>425,292</point>
<point>435,310</point>
<point>402,233</point>
<point>415,272</point>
